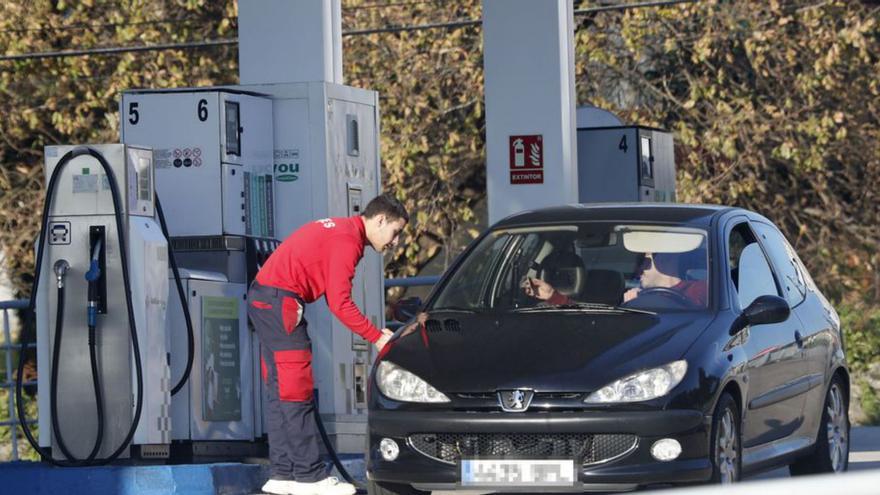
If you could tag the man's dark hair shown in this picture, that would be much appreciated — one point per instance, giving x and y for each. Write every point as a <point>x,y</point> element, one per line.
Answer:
<point>387,205</point>
<point>668,264</point>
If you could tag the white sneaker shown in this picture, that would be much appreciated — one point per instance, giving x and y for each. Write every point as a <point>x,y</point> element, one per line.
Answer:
<point>327,486</point>
<point>278,487</point>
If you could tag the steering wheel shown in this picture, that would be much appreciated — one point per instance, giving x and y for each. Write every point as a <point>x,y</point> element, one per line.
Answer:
<point>677,296</point>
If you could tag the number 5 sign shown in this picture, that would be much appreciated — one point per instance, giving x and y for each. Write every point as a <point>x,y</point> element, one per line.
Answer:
<point>527,159</point>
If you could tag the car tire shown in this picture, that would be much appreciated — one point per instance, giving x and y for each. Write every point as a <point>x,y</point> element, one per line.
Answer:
<point>726,443</point>
<point>831,454</point>
<point>377,488</point>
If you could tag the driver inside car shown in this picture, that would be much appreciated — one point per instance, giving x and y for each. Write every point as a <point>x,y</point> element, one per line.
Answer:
<point>664,271</point>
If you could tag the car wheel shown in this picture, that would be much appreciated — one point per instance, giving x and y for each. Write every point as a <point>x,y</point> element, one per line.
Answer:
<point>377,488</point>
<point>726,448</point>
<point>831,454</point>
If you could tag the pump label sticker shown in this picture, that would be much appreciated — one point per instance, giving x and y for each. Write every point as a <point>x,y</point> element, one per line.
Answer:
<point>286,165</point>
<point>527,159</point>
<point>162,158</point>
<point>184,157</point>
<point>59,233</point>
<point>85,184</point>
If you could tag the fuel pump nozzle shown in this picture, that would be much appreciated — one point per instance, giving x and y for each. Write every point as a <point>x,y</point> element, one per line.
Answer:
<point>61,267</point>
<point>93,275</point>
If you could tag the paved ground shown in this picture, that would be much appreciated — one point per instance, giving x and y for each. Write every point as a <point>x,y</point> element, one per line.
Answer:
<point>864,455</point>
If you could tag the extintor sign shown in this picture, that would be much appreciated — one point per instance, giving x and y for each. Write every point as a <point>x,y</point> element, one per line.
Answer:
<point>527,159</point>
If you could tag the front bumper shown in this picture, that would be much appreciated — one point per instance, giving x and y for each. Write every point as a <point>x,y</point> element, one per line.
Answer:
<point>636,467</point>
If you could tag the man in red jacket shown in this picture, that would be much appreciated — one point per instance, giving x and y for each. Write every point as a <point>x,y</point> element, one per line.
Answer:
<point>319,259</point>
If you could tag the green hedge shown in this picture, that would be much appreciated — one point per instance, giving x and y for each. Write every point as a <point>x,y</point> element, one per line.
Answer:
<point>861,333</point>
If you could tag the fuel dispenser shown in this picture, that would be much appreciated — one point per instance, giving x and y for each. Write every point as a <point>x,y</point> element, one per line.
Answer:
<point>213,155</point>
<point>310,151</point>
<point>101,295</point>
<point>625,163</point>
<point>326,158</point>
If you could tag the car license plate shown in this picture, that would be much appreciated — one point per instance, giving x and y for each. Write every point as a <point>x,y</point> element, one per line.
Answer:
<point>517,472</point>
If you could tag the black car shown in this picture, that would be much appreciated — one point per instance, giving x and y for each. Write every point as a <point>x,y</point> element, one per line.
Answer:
<point>605,348</point>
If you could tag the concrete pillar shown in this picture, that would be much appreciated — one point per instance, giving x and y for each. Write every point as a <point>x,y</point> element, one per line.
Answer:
<point>282,41</point>
<point>531,145</point>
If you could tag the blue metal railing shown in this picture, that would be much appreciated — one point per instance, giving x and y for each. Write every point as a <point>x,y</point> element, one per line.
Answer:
<point>411,281</point>
<point>8,384</point>
<point>408,282</point>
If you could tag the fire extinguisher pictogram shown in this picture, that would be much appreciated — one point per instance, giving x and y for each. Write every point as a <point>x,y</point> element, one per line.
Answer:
<point>519,153</point>
<point>527,159</point>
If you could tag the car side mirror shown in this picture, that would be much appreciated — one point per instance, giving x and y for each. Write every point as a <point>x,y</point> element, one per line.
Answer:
<point>406,309</point>
<point>763,310</point>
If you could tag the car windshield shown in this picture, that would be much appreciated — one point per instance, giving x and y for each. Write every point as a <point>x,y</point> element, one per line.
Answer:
<point>584,266</point>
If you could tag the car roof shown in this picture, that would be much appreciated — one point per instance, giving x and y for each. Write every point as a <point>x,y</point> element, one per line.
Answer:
<point>623,212</point>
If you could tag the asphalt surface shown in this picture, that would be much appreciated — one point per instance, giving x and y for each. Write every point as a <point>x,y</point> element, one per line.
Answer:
<point>864,455</point>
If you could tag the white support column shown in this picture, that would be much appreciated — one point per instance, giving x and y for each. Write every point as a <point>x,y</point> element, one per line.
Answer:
<point>528,60</point>
<point>336,39</point>
<point>282,41</point>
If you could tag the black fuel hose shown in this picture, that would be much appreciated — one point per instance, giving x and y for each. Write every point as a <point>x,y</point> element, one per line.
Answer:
<point>190,334</point>
<point>53,403</point>
<point>123,254</point>
<point>330,450</point>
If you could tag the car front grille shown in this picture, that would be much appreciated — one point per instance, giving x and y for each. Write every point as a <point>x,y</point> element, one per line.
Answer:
<point>538,395</point>
<point>586,448</point>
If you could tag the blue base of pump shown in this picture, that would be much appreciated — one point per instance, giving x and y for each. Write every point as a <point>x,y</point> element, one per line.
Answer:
<point>184,479</point>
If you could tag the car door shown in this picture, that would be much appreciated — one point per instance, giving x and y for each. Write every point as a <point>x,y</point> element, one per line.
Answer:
<point>813,312</point>
<point>774,404</point>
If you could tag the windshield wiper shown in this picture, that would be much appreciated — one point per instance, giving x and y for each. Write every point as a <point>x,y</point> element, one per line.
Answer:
<point>584,306</point>
<point>452,309</point>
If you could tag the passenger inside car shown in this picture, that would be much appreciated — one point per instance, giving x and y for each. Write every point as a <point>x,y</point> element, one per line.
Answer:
<point>561,278</point>
<point>565,271</point>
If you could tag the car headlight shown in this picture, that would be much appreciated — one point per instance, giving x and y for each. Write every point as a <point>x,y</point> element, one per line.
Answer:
<point>399,384</point>
<point>644,385</point>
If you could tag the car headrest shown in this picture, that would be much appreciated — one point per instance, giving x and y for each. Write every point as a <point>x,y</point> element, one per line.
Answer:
<point>693,264</point>
<point>604,286</point>
<point>565,272</point>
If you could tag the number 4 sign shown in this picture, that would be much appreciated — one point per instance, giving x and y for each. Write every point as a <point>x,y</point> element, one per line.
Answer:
<point>527,159</point>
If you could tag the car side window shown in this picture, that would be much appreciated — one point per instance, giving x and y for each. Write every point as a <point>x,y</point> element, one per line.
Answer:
<point>790,277</point>
<point>521,258</point>
<point>750,272</point>
<point>466,289</point>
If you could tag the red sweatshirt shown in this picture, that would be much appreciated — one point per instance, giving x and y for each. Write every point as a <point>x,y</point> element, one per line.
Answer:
<point>320,259</point>
<point>696,291</point>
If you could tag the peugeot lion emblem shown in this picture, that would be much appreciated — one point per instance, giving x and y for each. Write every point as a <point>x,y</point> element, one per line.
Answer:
<point>515,400</point>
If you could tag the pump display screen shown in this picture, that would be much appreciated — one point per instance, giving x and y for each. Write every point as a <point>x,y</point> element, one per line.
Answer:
<point>139,181</point>
<point>145,188</point>
<point>646,162</point>
<point>233,120</point>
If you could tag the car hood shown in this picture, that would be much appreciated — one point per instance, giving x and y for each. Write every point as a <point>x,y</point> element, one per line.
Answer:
<point>548,351</point>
